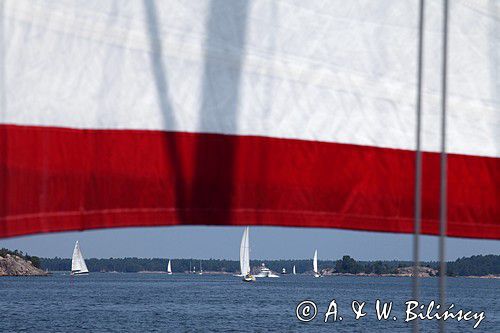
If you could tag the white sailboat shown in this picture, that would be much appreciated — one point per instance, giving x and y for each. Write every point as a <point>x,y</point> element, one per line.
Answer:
<point>294,271</point>
<point>315,264</point>
<point>245,256</point>
<point>169,268</point>
<point>201,269</point>
<point>78,266</point>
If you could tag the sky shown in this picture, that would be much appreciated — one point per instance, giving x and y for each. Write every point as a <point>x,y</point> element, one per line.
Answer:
<point>223,243</point>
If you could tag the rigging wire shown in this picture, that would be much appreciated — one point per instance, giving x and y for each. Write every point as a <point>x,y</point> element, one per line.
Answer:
<point>418,159</point>
<point>443,174</point>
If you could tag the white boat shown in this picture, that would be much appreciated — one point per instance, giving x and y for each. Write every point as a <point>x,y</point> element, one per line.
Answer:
<point>245,256</point>
<point>266,272</point>
<point>169,268</point>
<point>294,271</point>
<point>315,264</point>
<point>283,271</point>
<point>78,266</point>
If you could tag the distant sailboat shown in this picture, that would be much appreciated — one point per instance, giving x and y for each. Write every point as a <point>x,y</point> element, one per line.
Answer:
<point>78,266</point>
<point>245,256</point>
<point>201,269</point>
<point>315,264</point>
<point>169,268</point>
<point>294,272</point>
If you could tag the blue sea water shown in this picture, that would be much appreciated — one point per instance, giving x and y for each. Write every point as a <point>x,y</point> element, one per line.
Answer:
<point>105,302</point>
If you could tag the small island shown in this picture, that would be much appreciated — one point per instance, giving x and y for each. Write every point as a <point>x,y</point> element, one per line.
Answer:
<point>15,263</point>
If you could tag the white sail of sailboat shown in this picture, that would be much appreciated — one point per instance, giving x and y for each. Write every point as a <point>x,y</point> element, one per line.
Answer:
<point>294,271</point>
<point>245,256</point>
<point>78,266</point>
<point>315,264</point>
<point>245,253</point>
<point>169,268</point>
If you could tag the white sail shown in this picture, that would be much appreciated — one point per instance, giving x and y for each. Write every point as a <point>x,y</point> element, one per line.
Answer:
<point>315,261</point>
<point>245,252</point>
<point>294,272</point>
<point>78,265</point>
<point>169,267</point>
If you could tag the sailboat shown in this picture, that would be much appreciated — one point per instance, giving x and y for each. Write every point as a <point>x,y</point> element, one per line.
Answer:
<point>169,268</point>
<point>245,256</point>
<point>315,264</point>
<point>201,270</point>
<point>294,271</point>
<point>78,266</point>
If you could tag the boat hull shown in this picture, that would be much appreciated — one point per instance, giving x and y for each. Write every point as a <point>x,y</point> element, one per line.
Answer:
<point>249,278</point>
<point>267,275</point>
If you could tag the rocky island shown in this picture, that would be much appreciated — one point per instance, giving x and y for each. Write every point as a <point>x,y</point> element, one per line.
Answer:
<point>13,265</point>
<point>422,271</point>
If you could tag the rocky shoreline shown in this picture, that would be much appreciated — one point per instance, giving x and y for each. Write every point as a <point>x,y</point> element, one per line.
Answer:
<point>12,265</point>
<point>402,271</point>
<point>489,276</point>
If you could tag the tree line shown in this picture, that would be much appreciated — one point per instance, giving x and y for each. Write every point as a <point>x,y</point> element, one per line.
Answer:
<point>476,265</point>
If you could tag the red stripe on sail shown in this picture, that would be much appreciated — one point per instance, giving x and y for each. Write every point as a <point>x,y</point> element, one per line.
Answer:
<point>56,179</point>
